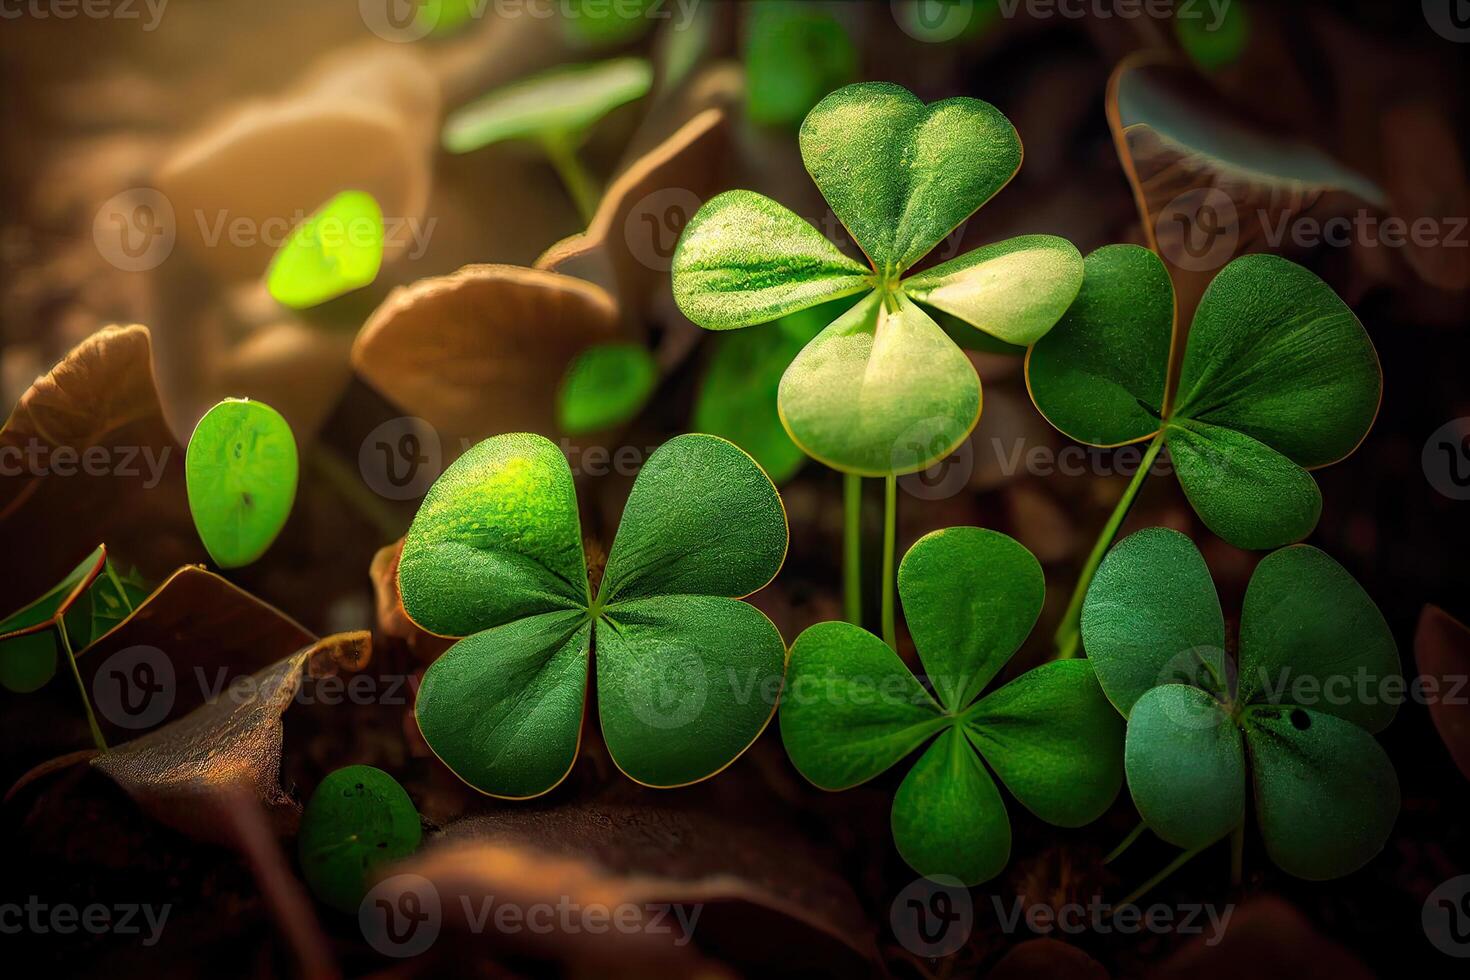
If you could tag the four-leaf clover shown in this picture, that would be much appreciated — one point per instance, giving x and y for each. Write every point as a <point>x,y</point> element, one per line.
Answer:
<point>883,390</point>
<point>1294,729</point>
<point>852,709</point>
<point>1277,377</point>
<point>687,676</point>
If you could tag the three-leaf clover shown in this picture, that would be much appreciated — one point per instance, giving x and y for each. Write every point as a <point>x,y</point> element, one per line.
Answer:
<point>883,390</point>
<point>358,819</point>
<point>852,709</point>
<point>1293,727</point>
<point>1277,377</point>
<point>687,676</point>
<point>240,470</point>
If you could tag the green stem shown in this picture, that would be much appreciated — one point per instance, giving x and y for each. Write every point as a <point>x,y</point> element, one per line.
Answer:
<point>1237,853</point>
<point>1069,632</point>
<point>1154,882</point>
<point>71,659</point>
<point>368,505</point>
<point>1126,843</point>
<point>890,526</point>
<point>561,150</point>
<point>852,548</point>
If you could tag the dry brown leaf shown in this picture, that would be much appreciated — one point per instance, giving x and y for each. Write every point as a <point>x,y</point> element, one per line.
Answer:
<point>364,120</point>
<point>1266,937</point>
<point>482,351</point>
<point>1442,652</point>
<point>1425,172</point>
<point>1047,959</point>
<point>99,402</point>
<point>177,773</point>
<point>392,618</point>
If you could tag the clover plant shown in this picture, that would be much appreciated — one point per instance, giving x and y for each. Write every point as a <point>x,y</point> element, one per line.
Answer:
<point>883,390</point>
<point>687,676</point>
<point>1289,722</point>
<point>73,614</point>
<point>1277,377</point>
<point>358,819</point>
<point>554,110</point>
<point>852,710</point>
<point>605,386</point>
<point>240,471</point>
<point>337,249</point>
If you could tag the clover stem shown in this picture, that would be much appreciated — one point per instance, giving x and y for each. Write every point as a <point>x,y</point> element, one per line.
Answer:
<point>1164,873</point>
<point>1237,852</point>
<point>561,150</point>
<point>852,548</point>
<point>71,659</point>
<point>890,524</point>
<point>1069,632</point>
<point>1126,843</point>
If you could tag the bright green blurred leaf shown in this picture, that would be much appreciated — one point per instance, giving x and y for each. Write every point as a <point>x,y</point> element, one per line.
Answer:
<point>605,386</point>
<point>337,249</point>
<point>357,820</point>
<point>795,53</point>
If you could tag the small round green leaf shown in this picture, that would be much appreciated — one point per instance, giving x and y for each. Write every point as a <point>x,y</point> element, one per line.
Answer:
<point>970,598</point>
<point>1326,793</point>
<point>685,683</point>
<point>948,817</point>
<point>557,104</point>
<point>605,386</point>
<point>851,708</point>
<point>1185,765</point>
<point>1015,290</point>
<point>1099,374</point>
<point>881,391</point>
<point>743,259</point>
<point>1213,39</point>
<point>503,708</point>
<point>1275,354</point>
<point>1308,631</point>
<point>28,662</point>
<point>496,538</point>
<point>240,470</point>
<point>702,519</point>
<point>1152,617</point>
<point>337,249</point>
<point>795,53</point>
<point>358,819</point>
<point>1244,491</point>
<point>901,175</point>
<point>737,396</point>
<point>1055,741</point>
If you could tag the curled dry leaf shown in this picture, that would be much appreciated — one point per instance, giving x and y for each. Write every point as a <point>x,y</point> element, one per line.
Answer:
<point>763,898</point>
<point>483,350</point>
<point>363,120</point>
<point>179,772</point>
<point>98,463</point>
<point>1442,651</point>
<point>1266,932</point>
<point>1425,172</point>
<point>629,246</point>
<point>1209,184</point>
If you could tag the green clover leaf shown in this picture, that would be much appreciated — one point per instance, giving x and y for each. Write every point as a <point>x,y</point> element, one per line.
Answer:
<point>240,471</point>
<point>1316,660</point>
<point>852,710</point>
<point>884,390</point>
<point>1277,377</point>
<point>687,676</point>
<point>356,821</point>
